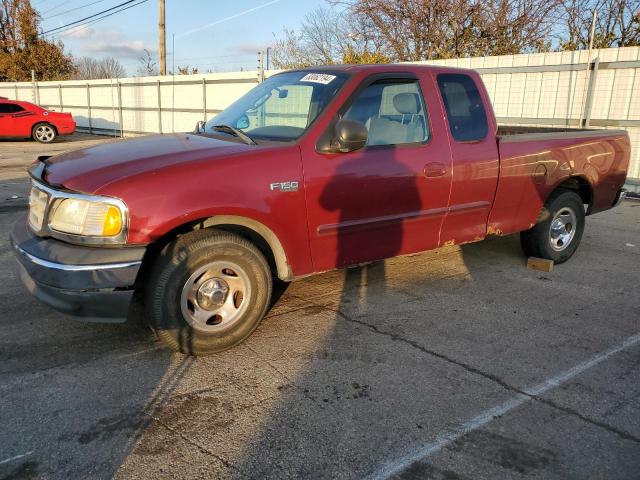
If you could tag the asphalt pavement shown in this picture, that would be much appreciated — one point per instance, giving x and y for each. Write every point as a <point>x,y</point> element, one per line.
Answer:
<point>459,363</point>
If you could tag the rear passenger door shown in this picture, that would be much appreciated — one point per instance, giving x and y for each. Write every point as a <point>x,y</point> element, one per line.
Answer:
<point>475,157</point>
<point>390,197</point>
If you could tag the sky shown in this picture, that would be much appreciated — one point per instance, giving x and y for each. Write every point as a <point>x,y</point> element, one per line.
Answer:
<point>212,35</point>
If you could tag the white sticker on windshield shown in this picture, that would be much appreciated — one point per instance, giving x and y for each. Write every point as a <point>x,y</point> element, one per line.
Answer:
<point>322,78</point>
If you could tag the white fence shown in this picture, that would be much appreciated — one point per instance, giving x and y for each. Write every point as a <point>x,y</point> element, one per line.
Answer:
<point>598,89</point>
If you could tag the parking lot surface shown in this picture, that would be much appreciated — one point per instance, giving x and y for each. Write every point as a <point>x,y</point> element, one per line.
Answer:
<point>454,364</point>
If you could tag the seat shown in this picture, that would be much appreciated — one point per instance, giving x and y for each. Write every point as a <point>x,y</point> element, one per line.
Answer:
<point>410,128</point>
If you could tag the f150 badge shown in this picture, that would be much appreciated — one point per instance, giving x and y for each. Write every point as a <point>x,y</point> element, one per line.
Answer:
<point>284,186</point>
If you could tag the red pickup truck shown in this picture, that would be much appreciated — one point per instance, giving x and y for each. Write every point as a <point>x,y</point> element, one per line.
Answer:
<point>311,170</point>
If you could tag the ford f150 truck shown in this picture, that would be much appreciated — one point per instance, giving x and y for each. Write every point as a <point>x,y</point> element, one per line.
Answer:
<point>311,170</point>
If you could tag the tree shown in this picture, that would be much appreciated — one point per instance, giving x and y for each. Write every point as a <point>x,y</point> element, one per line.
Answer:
<point>410,30</point>
<point>148,66</point>
<point>187,70</point>
<point>351,56</point>
<point>325,37</point>
<point>23,50</point>
<point>617,23</point>
<point>88,68</point>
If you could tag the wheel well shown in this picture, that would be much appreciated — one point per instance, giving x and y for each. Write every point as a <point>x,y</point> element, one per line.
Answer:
<point>581,186</point>
<point>272,251</point>
<point>44,123</point>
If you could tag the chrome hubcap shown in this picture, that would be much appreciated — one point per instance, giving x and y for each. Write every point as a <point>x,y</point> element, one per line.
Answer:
<point>563,229</point>
<point>215,296</point>
<point>212,293</point>
<point>44,132</point>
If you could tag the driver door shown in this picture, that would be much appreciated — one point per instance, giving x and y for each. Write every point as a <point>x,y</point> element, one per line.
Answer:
<point>6,120</point>
<point>390,197</point>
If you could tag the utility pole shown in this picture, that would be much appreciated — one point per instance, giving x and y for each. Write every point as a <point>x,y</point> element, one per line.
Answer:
<point>163,39</point>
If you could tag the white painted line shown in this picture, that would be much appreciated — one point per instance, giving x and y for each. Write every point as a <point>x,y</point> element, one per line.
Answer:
<point>425,451</point>
<point>17,457</point>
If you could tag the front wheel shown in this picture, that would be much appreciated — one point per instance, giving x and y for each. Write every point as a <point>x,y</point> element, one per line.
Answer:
<point>44,133</point>
<point>558,235</point>
<point>208,291</point>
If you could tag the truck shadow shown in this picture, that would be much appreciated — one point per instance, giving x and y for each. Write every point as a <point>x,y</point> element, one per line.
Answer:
<point>75,396</point>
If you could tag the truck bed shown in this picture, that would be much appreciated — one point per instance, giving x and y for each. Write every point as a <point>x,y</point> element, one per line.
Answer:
<point>534,161</point>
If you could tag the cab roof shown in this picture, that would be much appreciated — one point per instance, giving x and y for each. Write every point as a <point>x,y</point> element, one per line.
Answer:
<point>386,67</point>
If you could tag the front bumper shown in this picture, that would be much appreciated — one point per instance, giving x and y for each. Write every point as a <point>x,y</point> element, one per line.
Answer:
<point>91,282</point>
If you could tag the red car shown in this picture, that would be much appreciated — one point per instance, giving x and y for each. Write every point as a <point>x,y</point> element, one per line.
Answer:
<point>24,119</point>
<point>311,170</point>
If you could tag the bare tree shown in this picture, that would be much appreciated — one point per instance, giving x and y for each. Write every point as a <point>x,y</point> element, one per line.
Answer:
<point>290,51</point>
<point>88,68</point>
<point>412,30</point>
<point>326,36</point>
<point>148,66</point>
<point>617,23</point>
<point>112,68</point>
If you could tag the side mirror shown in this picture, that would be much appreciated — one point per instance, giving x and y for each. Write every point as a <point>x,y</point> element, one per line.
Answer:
<point>350,135</point>
<point>200,126</point>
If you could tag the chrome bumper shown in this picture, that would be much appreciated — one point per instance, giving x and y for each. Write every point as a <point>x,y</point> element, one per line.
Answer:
<point>94,283</point>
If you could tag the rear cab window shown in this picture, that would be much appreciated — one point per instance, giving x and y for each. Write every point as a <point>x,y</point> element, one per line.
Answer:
<point>464,106</point>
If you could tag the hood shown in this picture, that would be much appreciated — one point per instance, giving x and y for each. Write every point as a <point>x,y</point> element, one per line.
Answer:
<point>88,169</point>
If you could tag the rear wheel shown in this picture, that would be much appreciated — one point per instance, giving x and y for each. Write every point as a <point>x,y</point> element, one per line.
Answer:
<point>208,291</point>
<point>44,133</point>
<point>558,235</point>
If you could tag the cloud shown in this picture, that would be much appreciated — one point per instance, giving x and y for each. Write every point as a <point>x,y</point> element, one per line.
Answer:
<point>80,32</point>
<point>247,48</point>
<point>134,49</point>
<point>112,43</point>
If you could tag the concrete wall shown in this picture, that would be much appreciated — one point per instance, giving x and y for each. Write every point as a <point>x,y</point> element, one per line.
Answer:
<point>551,89</point>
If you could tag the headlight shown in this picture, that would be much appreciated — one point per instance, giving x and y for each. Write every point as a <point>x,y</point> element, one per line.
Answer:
<point>88,218</point>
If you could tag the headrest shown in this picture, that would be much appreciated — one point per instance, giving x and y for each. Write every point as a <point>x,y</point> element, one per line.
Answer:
<point>407,103</point>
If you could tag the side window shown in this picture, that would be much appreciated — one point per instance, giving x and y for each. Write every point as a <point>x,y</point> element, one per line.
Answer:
<point>16,108</point>
<point>465,110</point>
<point>5,108</point>
<point>392,111</point>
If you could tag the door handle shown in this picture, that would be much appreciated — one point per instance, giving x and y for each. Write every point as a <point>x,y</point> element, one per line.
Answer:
<point>434,169</point>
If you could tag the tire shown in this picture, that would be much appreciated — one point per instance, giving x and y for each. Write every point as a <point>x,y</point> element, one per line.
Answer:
<point>557,236</point>
<point>208,291</point>
<point>44,133</point>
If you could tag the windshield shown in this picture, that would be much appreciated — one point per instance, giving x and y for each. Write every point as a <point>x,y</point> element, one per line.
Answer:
<point>280,108</point>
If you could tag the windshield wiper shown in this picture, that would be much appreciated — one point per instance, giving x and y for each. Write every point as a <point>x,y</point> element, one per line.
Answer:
<point>234,131</point>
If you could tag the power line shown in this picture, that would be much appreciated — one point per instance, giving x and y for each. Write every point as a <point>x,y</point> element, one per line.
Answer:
<point>54,8</point>
<point>77,28</point>
<point>89,17</point>
<point>86,25</point>
<point>73,9</point>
